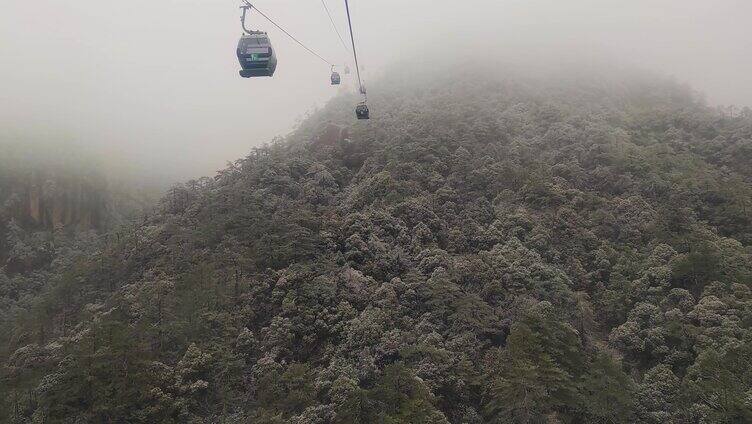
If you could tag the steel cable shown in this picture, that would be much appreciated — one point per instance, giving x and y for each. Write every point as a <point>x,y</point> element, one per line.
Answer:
<point>344,44</point>
<point>355,52</point>
<point>287,33</point>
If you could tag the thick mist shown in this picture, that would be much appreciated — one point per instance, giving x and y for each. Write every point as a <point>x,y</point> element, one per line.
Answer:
<point>152,87</point>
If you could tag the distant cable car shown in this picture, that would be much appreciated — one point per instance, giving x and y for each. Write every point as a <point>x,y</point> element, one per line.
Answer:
<point>255,52</point>
<point>362,112</point>
<point>347,70</point>
<point>336,79</point>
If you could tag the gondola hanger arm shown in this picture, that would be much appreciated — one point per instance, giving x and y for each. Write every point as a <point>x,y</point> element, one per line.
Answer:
<point>245,8</point>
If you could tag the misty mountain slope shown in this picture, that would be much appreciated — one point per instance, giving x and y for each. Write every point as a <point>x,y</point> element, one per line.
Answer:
<point>516,249</point>
<point>55,202</point>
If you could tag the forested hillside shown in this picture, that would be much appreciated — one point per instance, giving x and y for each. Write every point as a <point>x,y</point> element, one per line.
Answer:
<point>55,205</point>
<point>487,249</point>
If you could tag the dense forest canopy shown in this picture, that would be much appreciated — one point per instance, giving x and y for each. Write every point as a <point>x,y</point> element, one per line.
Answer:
<point>489,248</point>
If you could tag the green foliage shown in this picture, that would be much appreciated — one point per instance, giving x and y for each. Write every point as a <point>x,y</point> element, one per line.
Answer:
<point>717,384</point>
<point>539,373</point>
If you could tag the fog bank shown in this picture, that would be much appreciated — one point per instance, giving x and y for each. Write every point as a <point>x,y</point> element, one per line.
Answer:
<point>152,86</point>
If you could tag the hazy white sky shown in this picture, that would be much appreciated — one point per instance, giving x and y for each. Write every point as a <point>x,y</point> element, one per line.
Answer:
<point>155,81</point>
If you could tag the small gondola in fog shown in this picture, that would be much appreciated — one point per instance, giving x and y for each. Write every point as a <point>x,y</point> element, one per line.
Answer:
<point>336,79</point>
<point>362,112</point>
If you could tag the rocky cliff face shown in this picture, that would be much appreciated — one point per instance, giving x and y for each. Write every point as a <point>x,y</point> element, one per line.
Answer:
<point>39,197</point>
<point>50,200</point>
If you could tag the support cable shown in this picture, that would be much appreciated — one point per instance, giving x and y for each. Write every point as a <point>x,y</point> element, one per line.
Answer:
<point>323,2</point>
<point>355,52</point>
<point>287,33</point>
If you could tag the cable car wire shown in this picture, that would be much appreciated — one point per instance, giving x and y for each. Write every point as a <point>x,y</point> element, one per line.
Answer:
<point>287,33</point>
<point>355,52</point>
<point>323,2</point>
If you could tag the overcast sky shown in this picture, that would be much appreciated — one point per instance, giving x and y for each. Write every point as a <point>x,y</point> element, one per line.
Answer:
<point>154,83</point>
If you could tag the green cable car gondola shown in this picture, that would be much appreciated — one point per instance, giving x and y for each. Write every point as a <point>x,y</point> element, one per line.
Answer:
<point>255,52</point>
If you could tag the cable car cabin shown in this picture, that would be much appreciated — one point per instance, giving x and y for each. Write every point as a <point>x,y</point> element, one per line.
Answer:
<point>362,112</point>
<point>256,55</point>
<point>336,79</point>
